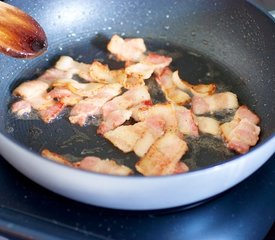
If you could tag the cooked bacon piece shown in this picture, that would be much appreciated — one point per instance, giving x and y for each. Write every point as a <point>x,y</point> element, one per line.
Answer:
<point>143,70</point>
<point>81,89</point>
<point>181,167</point>
<point>64,96</point>
<point>101,73</point>
<point>128,99</point>
<point>149,64</point>
<point>197,90</point>
<point>52,112</point>
<point>114,119</point>
<point>244,112</point>
<point>186,121</point>
<point>106,166</point>
<point>67,64</point>
<point>157,61</point>
<point>115,112</point>
<point>52,74</point>
<point>55,157</point>
<point>240,136</point>
<point>164,111</point>
<point>93,106</point>
<point>126,137</point>
<point>209,125</point>
<point>21,107</point>
<point>30,89</point>
<point>130,49</point>
<point>171,91</point>
<point>214,103</point>
<point>163,156</point>
<point>138,137</point>
<point>242,132</point>
<point>155,128</point>
<point>133,81</point>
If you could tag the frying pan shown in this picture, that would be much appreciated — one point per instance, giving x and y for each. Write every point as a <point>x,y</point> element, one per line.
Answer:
<point>231,43</point>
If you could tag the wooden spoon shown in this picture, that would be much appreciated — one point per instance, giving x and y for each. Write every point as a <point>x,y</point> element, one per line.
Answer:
<point>20,35</point>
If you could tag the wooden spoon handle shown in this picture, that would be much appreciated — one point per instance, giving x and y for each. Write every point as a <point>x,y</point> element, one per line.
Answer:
<point>20,35</point>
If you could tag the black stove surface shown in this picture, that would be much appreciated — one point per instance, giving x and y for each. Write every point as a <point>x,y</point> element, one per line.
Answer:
<point>28,211</point>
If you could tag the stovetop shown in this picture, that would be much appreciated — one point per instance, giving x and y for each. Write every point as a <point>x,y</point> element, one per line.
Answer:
<point>28,211</point>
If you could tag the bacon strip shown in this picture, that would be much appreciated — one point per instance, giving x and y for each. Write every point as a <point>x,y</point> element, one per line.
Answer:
<point>34,94</point>
<point>209,125</point>
<point>214,103</point>
<point>130,49</point>
<point>197,90</point>
<point>93,105</point>
<point>67,64</point>
<point>126,137</point>
<point>186,121</point>
<point>241,133</point>
<point>138,137</point>
<point>105,166</point>
<point>21,107</point>
<point>81,89</point>
<point>55,157</point>
<point>163,156</point>
<point>90,163</point>
<point>117,111</point>
<point>171,91</point>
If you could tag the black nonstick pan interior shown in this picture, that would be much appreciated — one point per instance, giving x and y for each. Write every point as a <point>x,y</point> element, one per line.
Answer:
<point>224,42</point>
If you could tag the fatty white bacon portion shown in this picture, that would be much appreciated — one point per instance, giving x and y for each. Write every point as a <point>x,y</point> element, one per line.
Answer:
<point>186,121</point>
<point>149,64</point>
<point>106,166</point>
<point>67,64</point>
<point>55,157</point>
<point>117,111</point>
<point>129,49</point>
<point>197,90</point>
<point>126,137</point>
<point>214,103</point>
<point>242,132</point>
<point>138,137</point>
<point>171,91</point>
<point>209,125</point>
<point>92,106</point>
<point>163,156</point>
<point>80,89</point>
<point>102,74</point>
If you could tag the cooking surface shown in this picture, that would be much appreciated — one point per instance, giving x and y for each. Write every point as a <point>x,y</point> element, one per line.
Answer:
<point>246,211</point>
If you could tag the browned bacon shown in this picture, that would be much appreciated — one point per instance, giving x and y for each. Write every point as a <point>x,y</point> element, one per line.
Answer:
<point>163,156</point>
<point>130,49</point>
<point>209,125</point>
<point>241,133</point>
<point>186,121</point>
<point>80,89</point>
<point>214,103</point>
<point>92,106</point>
<point>126,137</point>
<point>164,111</point>
<point>138,137</point>
<point>55,157</point>
<point>171,91</point>
<point>105,166</point>
<point>198,90</point>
